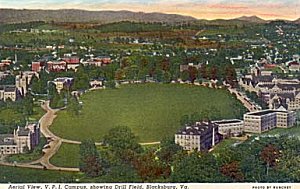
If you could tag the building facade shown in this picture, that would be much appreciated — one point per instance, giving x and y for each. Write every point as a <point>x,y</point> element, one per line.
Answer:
<point>231,127</point>
<point>200,136</point>
<point>8,92</point>
<point>265,120</point>
<point>24,139</point>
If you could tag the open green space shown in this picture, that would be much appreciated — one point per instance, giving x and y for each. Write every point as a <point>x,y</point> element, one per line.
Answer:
<point>26,175</point>
<point>152,111</point>
<point>38,112</point>
<point>293,131</point>
<point>67,156</point>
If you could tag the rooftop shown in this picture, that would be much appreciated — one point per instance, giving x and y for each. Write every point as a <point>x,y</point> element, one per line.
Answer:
<point>196,129</point>
<point>6,139</point>
<point>228,121</point>
<point>264,112</point>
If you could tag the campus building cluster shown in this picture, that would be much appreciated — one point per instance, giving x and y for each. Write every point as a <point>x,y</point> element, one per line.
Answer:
<point>19,89</point>
<point>203,136</point>
<point>69,61</point>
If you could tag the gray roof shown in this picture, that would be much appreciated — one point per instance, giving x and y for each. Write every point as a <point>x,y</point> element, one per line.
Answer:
<point>8,88</point>
<point>7,139</point>
<point>22,131</point>
<point>196,129</point>
<point>289,86</point>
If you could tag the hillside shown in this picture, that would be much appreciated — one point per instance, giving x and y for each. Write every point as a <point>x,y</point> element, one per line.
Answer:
<point>253,19</point>
<point>74,15</point>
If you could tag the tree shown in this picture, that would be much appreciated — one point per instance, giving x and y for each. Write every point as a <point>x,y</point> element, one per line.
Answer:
<point>150,169</point>
<point>89,159</point>
<point>110,84</point>
<point>269,155</point>
<point>193,73</point>
<point>213,72</point>
<point>28,105</point>
<point>122,141</point>
<point>73,106</point>
<point>196,167</point>
<point>167,150</point>
<point>233,171</point>
<point>184,75</point>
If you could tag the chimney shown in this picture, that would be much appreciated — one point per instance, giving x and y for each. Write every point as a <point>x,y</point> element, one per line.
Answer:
<point>213,137</point>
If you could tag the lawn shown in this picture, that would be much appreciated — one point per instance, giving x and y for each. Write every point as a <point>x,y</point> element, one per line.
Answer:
<point>38,112</point>
<point>67,156</point>
<point>152,111</point>
<point>293,131</point>
<point>25,175</point>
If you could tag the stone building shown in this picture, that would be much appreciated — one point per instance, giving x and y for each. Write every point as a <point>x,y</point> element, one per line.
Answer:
<point>23,139</point>
<point>200,136</point>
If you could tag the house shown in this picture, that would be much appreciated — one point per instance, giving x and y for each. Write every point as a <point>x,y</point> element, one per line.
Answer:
<point>187,66</point>
<point>96,83</point>
<point>294,66</point>
<point>23,81</point>
<point>72,61</point>
<point>37,66</point>
<point>200,136</point>
<point>8,92</point>
<point>23,139</point>
<point>4,64</point>
<point>56,66</point>
<point>62,83</point>
<point>98,61</point>
<point>265,120</point>
<point>231,127</point>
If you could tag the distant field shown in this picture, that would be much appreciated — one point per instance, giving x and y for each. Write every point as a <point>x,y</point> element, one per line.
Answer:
<point>152,111</point>
<point>132,27</point>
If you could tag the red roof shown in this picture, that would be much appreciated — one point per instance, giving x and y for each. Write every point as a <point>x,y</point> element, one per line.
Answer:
<point>270,65</point>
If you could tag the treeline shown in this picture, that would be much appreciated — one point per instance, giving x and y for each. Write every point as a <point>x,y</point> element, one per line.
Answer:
<point>124,160</point>
<point>13,114</point>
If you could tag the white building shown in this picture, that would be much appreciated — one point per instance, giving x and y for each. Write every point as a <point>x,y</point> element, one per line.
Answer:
<point>231,127</point>
<point>265,120</point>
<point>200,136</point>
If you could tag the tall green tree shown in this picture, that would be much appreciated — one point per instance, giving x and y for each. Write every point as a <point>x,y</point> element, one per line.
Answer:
<point>90,162</point>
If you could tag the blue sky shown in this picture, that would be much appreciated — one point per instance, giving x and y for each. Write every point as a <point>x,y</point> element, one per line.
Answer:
<point>208,9</point>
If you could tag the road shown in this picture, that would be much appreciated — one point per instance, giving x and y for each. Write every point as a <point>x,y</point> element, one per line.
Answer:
<point>54,145</point>
<point>251,107</point>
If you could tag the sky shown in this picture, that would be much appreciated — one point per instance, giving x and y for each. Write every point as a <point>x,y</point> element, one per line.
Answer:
<point>202,9</point>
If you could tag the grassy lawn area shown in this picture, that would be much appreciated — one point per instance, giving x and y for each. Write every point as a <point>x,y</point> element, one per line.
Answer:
<point>25,175</point>
<point>226,143</point>
<point>31,156</point>
<point>67,156</point>
<point>293,131</point>
<point>152,111</point>
<point>38,112</point>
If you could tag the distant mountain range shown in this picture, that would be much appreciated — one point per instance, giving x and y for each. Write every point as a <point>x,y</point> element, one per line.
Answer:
<point>75,15</point>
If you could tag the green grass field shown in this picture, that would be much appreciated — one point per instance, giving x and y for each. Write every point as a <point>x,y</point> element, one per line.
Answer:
<point>293,131</point>
<point>67,156</point>
<point>25,175</point>
<point>152,111</point>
